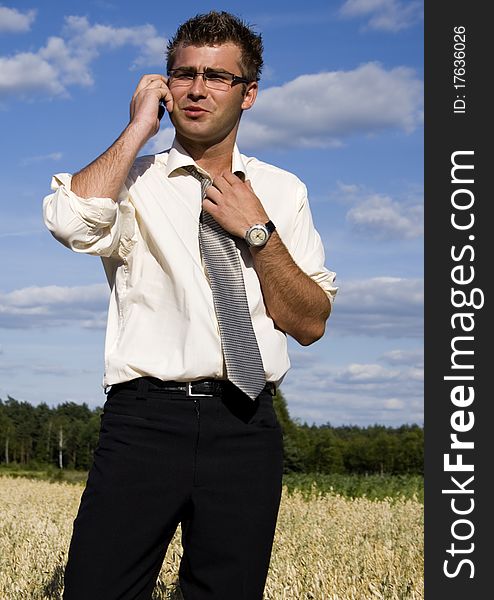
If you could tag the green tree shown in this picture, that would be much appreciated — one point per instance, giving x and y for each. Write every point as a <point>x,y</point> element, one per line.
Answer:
<point>292,458</point>
<point>7,434</point>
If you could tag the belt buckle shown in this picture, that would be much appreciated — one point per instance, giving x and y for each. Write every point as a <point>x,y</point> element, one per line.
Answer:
<point>190,393</point>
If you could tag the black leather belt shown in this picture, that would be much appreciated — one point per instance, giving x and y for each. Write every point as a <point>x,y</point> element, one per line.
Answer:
<point>202,387</point>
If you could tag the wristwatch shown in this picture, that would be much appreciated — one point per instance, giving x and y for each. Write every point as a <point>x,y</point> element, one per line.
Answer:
<point>259,234</point>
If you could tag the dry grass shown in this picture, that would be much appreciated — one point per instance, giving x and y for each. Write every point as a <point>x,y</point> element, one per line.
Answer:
<point>326,548</point>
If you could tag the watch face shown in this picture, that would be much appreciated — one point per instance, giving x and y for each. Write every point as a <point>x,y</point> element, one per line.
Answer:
<point>258,236</point>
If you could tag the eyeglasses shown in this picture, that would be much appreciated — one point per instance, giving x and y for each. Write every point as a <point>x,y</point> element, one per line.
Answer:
<point>213,79</point>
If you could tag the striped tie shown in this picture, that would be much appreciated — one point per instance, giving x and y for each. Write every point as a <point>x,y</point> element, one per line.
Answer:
<point>242,357</point>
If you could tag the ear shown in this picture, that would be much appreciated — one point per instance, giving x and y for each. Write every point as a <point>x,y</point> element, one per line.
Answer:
<point>250,95</point>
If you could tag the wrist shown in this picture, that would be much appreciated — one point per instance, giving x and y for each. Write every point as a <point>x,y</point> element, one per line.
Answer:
<point>136,134</point>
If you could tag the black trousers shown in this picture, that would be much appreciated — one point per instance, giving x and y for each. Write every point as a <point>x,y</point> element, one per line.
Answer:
<point>213,464</point>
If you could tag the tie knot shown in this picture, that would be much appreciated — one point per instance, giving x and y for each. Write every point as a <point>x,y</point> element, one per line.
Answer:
<point>205,181</point>
<point>194,171</point>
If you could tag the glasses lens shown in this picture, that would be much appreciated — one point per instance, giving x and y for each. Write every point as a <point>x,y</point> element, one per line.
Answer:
<point>215,80</point>
<point>218,80</point>
<point>181,77</point>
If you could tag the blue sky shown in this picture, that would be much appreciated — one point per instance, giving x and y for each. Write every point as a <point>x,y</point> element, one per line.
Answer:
<point>341,106</point>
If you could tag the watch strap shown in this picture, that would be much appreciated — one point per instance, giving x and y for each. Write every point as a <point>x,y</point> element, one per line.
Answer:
<point>270,226</point>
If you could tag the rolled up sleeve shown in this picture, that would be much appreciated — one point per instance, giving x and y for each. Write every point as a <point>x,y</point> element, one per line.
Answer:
<point>307,248</point>
<point>96,226</point>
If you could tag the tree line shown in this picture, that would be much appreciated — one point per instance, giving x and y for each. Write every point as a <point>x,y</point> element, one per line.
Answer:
<point>350,449</point>
<point>67,435</point>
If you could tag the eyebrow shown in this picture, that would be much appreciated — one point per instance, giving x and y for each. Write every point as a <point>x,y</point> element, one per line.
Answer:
<point>207,69</point>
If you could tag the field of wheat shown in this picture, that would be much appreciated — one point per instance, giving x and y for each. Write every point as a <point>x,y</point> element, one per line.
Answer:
<point>326,547</point>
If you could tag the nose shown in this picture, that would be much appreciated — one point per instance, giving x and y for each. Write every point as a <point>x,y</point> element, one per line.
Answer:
<point>198,87</point>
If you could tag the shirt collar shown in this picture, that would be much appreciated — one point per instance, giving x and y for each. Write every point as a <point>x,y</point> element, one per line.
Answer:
<point>178,157</point>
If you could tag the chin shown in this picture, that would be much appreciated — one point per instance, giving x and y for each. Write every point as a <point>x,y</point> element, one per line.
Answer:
<point>197,132</point>
<point>189,126</point>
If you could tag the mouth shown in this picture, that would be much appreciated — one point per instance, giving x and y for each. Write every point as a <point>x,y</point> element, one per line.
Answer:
<point>194,111</point>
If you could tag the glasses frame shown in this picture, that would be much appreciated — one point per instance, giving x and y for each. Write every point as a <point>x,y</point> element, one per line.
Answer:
<point>235,78</point>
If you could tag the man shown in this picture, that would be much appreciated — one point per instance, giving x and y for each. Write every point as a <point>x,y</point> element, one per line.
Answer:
<point>188,433</point>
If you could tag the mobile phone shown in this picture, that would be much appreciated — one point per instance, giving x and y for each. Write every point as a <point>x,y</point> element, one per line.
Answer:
<point>161,110</point>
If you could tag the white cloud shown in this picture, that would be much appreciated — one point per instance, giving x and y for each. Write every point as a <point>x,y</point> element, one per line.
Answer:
<point>349,190</point>
<point>366,373</point>
<point>87,39</point>
<point>15,21</point>
<point>391,405</point>
<point>379,217</point>
<point>394,404</point>
<point>412,358</point>
<point>161,141</point>
<point>54,306</point>
<point>370,378</point>
<point>357,394</point>
<point>66,60</point>
<point>54,294</point>
<point>152,53</point>
<point>384,15</point>
<point>29,160</point>
<point>26,74</point>
<point>56,370</point>
<point>320,110</point>
<point>381,306</point>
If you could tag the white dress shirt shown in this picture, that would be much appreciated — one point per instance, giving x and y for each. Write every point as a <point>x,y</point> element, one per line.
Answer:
<point>161,319</point>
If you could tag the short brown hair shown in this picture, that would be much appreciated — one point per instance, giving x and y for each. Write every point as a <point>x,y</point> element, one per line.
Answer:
<point>219,28</point>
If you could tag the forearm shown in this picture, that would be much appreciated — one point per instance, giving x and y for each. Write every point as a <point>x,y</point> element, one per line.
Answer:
<point>105,176</point>
<point>296,303</point>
